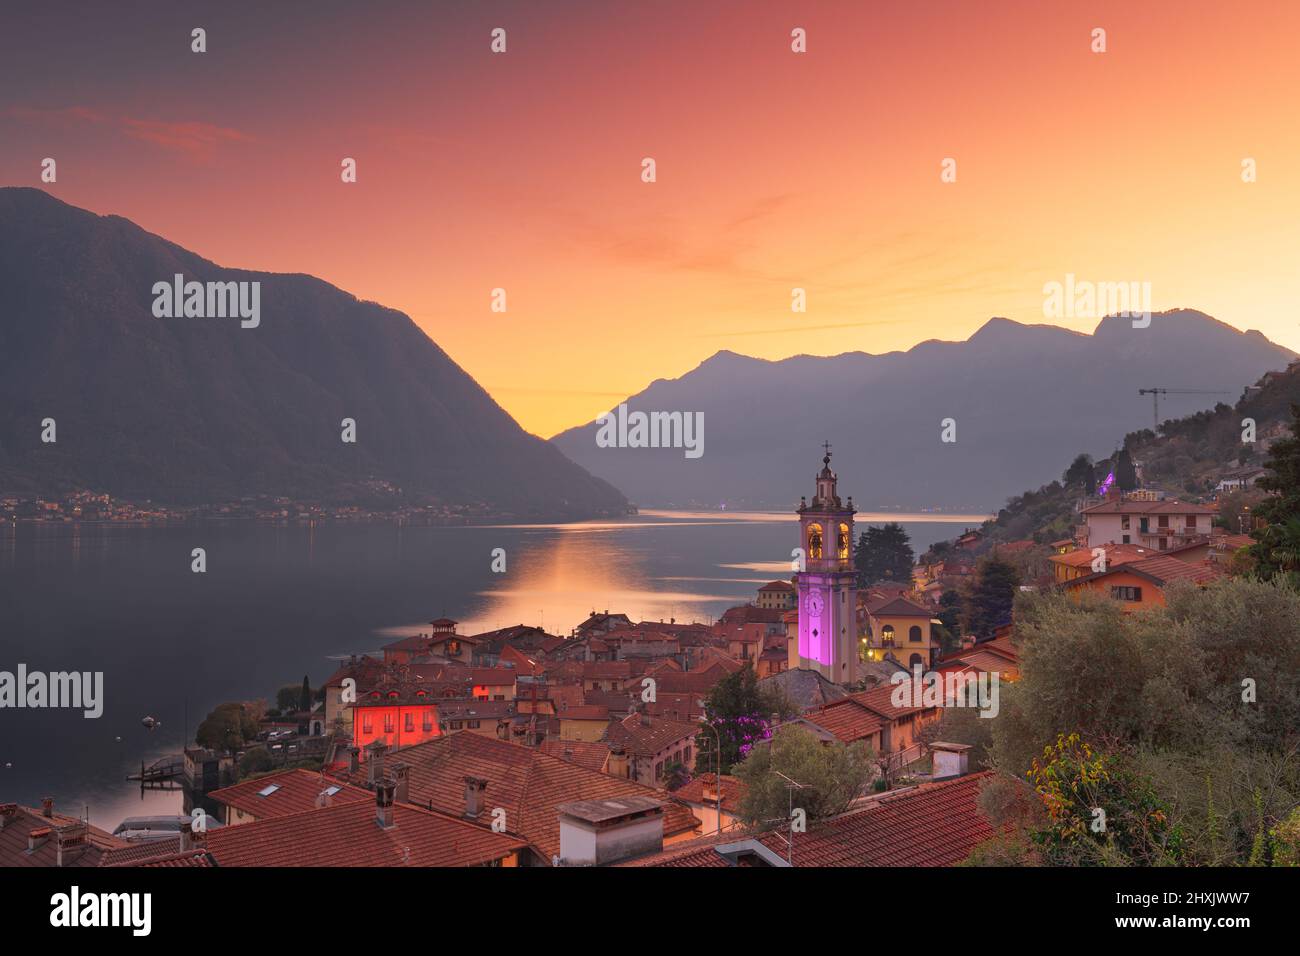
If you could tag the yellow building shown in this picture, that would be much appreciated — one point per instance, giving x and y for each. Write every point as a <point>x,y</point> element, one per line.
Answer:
<point>585,722</point>
<point>901,628</point>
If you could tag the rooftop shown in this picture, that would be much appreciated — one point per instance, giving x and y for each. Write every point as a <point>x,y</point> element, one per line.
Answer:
<point>285,792</point>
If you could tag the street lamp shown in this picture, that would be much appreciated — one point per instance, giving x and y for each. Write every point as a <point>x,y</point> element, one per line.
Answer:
<point>718,750</point>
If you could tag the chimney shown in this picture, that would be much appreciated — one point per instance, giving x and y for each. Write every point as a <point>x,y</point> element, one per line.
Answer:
<point>597,832</point>
<point>618,761</point>
<point>324,799</point>
<point>8,813</point>
<point>187,835</point>
<point>376,761</point>
<point>709,788</point>
<point>37,838</point>
<point>949,760</point>
<point>402,776</point>
<point>645,718</point>
<point>384,803</point>
<point>70,842</point>
<point>47,807</point>
<point>474,788</point>
<point>354,759</point>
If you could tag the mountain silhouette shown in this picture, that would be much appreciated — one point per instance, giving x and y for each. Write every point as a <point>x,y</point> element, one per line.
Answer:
<point>191,410</point>
<point>1024,398</point>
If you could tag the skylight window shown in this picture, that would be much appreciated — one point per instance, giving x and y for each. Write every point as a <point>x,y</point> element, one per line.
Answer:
<point>330,791</point>
<point>267,791</point>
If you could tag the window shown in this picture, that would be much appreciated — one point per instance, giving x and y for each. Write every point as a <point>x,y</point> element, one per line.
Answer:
<point>1162,521</point>
<point>815,541</point>
<point>367,724</point>
<point>1122,593</point>
<point>659,770</point>
<point>453,648</point>
<point>1125,540</point>
<point>410,723</point>
<point>472,724</point>
<point>267,791</point>
<point>428,721</point>
<point>388,723</point>
<point>887,635</point>
<point>916,661</point>
<point>1123,522</point>
<point>842,542</point>
<point>1191,521</point>
<point>914,634</point>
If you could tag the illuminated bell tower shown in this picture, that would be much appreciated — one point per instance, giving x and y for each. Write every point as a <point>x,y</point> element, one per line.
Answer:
<point>828,584</point>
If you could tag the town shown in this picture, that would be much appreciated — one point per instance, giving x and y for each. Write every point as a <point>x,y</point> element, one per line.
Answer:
<point>666,743</point>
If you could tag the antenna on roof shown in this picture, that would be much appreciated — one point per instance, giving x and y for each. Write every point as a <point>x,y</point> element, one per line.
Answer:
<point>790,787</point>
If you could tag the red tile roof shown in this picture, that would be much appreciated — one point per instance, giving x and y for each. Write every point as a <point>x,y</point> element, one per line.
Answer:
<point>584,712</point>
<point>99,848</point>
<point>898,607</point>
<point>20,821</point>
<point>733,791</point>
<point>349,835</point>
<point>296,790</point>
<point>525,782</point>
<point>1130,507</point>
<point>594,755</point>
<point>936,824</point>
<point>646,736</point>
<point>1159,570</point>
<point>847,720</point>
<point>879,699</point>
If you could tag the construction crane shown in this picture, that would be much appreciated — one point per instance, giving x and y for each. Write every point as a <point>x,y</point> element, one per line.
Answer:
<point>1155,394</point>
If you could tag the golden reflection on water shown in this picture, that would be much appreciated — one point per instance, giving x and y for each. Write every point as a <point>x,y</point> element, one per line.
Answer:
<point>571,570</point>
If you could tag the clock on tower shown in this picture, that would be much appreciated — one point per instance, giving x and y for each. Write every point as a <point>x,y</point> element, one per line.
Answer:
<point>827,582</point>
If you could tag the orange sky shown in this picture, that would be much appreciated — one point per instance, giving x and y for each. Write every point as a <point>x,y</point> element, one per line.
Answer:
<point>775,170</point>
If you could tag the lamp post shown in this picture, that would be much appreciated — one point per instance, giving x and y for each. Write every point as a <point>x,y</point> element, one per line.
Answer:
<point>718,751</point>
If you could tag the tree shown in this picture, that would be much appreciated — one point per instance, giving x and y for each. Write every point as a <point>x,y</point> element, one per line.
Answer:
<point>286,698</point>
<point>831,776</point>
<point>1099,811</point>
<point>989,598</point>
<point>950,609</point>
<point>304,699</point>
<point>741,714</point>
<point>884,554</point>
<point>226,728</point>
<point>1277,547</point>
<point>1197,702</point>
<point>1125,473</point>
<point>1081,474</point>
<point>676,775</point>
<point>257,760</point>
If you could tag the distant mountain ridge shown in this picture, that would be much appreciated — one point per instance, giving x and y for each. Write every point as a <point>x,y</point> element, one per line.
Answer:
<point>1024,398</point>
<point>189,410</point>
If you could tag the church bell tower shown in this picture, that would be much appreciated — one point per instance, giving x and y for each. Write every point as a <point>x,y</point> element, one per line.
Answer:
<point>827,582</point>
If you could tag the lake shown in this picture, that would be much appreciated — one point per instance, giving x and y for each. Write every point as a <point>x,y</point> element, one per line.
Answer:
<point>279,602</point>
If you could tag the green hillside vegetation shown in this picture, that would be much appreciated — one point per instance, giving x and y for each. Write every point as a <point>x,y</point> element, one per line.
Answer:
<point>1187,460</point>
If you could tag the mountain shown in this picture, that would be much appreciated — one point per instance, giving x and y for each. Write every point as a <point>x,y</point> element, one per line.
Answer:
<point>191,410</point>
<point>1024,397</point>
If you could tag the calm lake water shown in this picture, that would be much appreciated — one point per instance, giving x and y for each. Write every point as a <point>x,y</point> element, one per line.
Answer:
<point>280,602</point>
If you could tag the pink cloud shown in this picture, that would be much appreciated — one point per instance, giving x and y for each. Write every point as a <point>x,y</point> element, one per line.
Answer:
<point>192,138</point>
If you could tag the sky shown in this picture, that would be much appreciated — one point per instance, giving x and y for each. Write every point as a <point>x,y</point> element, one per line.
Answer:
<point>775,170</point>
